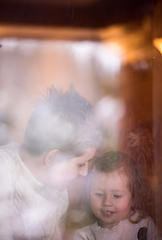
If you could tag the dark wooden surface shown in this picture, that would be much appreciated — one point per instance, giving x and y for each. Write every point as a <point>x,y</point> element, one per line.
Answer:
<point>96,14</point>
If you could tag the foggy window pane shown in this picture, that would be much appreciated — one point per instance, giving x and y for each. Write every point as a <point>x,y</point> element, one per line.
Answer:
<point>110,51</point>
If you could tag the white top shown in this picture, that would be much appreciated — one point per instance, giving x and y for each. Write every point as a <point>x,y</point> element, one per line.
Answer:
<point>124,230</point>
<point>29,210</point>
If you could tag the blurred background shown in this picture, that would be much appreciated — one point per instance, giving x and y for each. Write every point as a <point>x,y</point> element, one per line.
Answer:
<point>110,50</point>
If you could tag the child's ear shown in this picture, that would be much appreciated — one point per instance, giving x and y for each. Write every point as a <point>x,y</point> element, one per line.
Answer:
<point>51,155</point>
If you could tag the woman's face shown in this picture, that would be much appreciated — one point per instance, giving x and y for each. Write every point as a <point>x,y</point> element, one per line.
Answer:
<point>110,198</point>
<point>59,175</point>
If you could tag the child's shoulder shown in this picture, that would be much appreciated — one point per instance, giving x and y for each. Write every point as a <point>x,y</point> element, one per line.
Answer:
<point>143,220</point>
<point>146,226</point>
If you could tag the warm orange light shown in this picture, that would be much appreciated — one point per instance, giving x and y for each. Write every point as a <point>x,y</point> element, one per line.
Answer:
<point>157,42</point>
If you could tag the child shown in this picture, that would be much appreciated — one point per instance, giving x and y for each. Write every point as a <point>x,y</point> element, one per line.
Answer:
<point>62,135</point>
<point>118,201</point>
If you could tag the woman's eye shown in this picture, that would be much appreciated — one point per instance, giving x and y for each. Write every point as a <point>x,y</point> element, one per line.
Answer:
<point>82,165</point>
<point>117,196</point>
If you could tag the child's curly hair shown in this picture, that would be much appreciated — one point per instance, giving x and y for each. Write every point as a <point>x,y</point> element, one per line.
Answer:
<point>139,145</point>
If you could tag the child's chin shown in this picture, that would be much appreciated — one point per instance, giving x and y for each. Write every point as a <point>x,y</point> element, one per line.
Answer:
<point>108,224</point>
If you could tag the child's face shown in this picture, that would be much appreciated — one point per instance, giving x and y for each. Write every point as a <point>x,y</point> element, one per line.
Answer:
<point>110,198</point>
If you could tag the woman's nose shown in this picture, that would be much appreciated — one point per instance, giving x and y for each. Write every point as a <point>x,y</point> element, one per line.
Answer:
<point>107,201</point>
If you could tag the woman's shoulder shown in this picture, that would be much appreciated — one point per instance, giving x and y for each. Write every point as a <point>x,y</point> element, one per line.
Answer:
<point>8,154</point>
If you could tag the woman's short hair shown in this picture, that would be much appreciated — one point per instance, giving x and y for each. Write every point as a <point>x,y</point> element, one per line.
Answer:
<point>63,121</point>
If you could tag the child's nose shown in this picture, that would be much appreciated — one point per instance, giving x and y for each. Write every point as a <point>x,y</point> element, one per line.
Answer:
<point>107,201</point>
<point>84,170</point>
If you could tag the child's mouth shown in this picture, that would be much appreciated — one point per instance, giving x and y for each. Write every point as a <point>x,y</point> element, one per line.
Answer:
<point>107,213</point>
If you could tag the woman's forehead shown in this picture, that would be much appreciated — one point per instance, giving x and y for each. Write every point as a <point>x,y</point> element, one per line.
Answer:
<point>87,155</point>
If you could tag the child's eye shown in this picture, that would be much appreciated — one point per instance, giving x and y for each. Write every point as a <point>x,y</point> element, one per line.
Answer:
<point>117,196</point>
<point>98,194</point>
